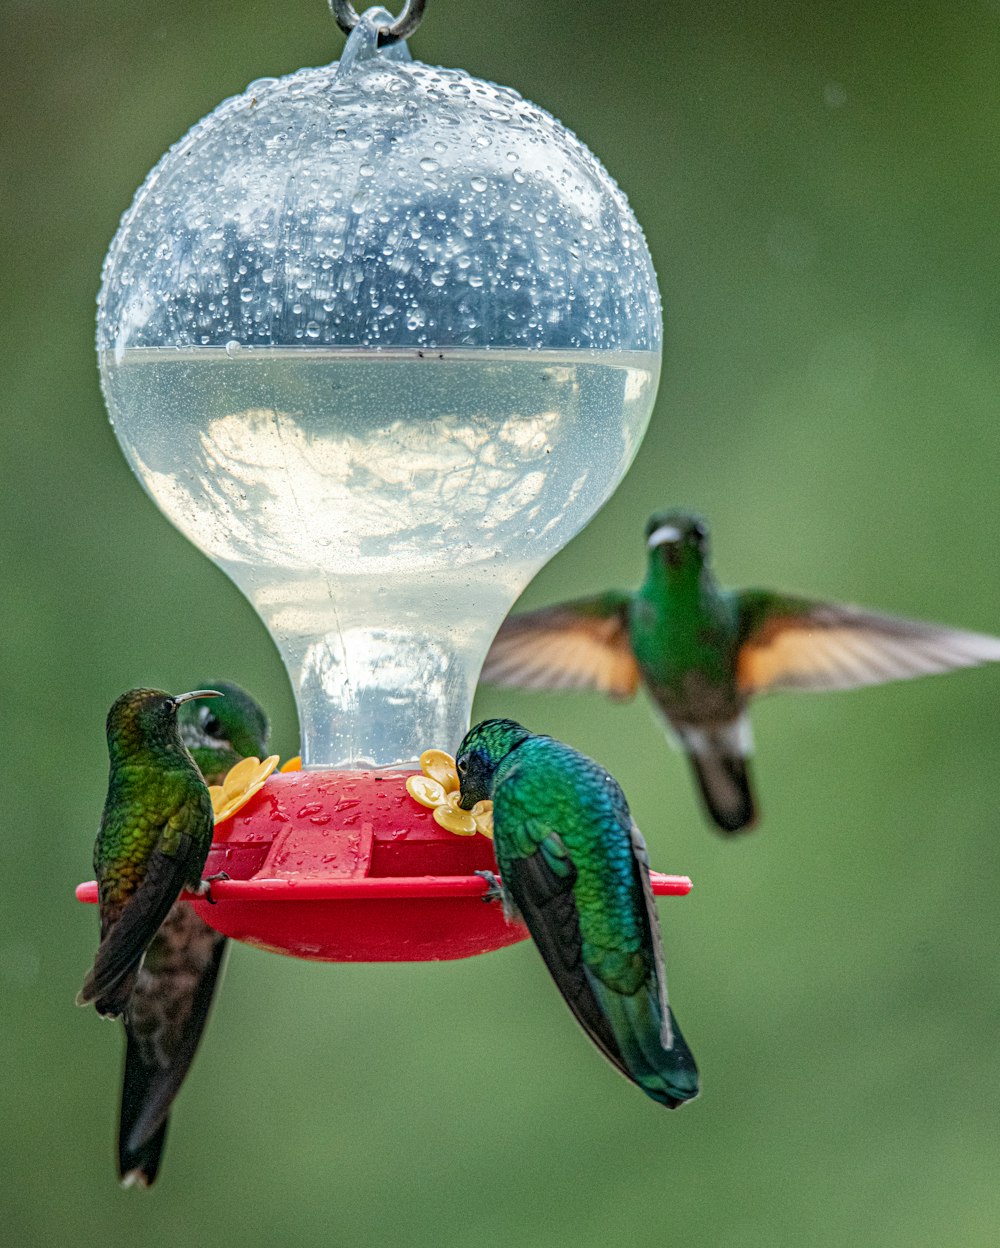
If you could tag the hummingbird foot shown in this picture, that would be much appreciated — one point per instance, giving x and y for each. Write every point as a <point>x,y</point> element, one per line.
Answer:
<point>204,889</point>
<point>494,891</point>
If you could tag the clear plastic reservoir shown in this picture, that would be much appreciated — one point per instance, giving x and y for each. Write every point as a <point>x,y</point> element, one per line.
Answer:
<point>379,338</point>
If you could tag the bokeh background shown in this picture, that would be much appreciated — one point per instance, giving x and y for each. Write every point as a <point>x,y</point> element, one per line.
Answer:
<point>819,187</point>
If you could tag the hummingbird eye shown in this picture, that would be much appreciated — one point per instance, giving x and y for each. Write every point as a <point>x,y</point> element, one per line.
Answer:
<point>462,766</point>
<point>209,722</point>
<point>699,532</point>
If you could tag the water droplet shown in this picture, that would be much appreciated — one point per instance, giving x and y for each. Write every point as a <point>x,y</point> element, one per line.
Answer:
<point>478,184</point>
<point>429,165</point>
<point>232,348</point>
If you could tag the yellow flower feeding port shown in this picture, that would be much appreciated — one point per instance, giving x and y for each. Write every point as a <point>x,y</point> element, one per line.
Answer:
<point>355,866</point>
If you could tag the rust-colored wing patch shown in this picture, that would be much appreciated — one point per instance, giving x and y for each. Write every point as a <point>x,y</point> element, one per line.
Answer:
<point>825,646</point>
<point>581,645</point>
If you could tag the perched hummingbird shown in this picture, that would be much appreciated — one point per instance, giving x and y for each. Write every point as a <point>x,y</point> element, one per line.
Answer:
<point>218,736</point>
<point>574,867</point>
<point>169,1007</point>
<point>703,652</point>
<point>155,834</point>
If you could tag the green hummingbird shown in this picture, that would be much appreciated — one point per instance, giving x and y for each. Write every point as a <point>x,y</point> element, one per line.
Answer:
<point>703,652</point>
<point>574,868</point>
<point>155,834</point>
<point>172,997</point>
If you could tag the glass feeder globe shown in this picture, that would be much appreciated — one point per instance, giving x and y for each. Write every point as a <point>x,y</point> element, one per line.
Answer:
<point>379,338</point>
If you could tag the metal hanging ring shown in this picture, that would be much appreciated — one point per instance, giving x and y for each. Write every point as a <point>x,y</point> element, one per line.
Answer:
<point>401,28</point>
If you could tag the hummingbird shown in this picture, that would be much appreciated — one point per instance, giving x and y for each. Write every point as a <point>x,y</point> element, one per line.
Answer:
<point>703,652</point>
<point>574,869</point>
<point>218,736</point>
<point>173,994</point>
<point>155,834</point>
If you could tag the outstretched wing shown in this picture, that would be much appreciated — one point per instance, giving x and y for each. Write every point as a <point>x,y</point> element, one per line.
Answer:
<point>577,645</point>
<point>795,643</point>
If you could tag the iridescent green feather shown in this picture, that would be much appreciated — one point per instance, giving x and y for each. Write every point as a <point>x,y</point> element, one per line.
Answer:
<point>170,1004</point>
<point>574,867</point>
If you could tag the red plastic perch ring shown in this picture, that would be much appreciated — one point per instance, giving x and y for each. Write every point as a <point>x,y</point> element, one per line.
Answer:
<point>404,887</point>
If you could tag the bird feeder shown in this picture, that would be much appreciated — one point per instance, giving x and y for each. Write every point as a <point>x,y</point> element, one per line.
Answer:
<point>378,338</point>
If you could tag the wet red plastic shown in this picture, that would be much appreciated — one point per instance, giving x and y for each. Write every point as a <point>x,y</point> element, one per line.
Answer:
<point>344,866</point>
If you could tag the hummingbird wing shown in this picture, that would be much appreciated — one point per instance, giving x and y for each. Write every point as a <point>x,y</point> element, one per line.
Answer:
<point>614,981</point>
<point>576,645</point>
<point>656,1054</point>
<point>110,981</point>
<point>797,643</point>
<point>543,893</point>
<point>641,856</point>
<point>164,1022</point>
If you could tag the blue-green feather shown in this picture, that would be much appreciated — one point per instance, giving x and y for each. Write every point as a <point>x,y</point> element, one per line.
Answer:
<point>574,865</point>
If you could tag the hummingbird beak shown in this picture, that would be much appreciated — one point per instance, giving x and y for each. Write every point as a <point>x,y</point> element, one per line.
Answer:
<point>659,537</point>
<point>196,693</point>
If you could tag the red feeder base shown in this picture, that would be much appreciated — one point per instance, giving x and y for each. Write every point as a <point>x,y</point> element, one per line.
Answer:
<point>344,866</point>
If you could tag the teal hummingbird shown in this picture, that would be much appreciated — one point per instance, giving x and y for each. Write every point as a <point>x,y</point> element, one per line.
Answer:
<point>155,834</point>
<point>574,868</point>
<point>173,994</point>
<point>703,652</point>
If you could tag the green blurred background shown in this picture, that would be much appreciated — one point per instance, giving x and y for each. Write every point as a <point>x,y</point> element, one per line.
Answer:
<point>819,187</point>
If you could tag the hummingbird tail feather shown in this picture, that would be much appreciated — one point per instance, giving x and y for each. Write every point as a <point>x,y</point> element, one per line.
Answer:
<point>719,760</point>
<point>139,1167</point>
<point>159,1051</point>
<point>668,1075</point>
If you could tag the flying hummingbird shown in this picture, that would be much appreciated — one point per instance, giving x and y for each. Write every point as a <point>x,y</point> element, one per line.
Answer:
<point>574,868</point>
<point>155,834</point>
<point>170,1003</point>
<point>703,651</point>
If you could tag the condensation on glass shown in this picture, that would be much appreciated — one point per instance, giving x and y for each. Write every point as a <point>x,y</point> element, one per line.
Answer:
<point>379,338</point>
